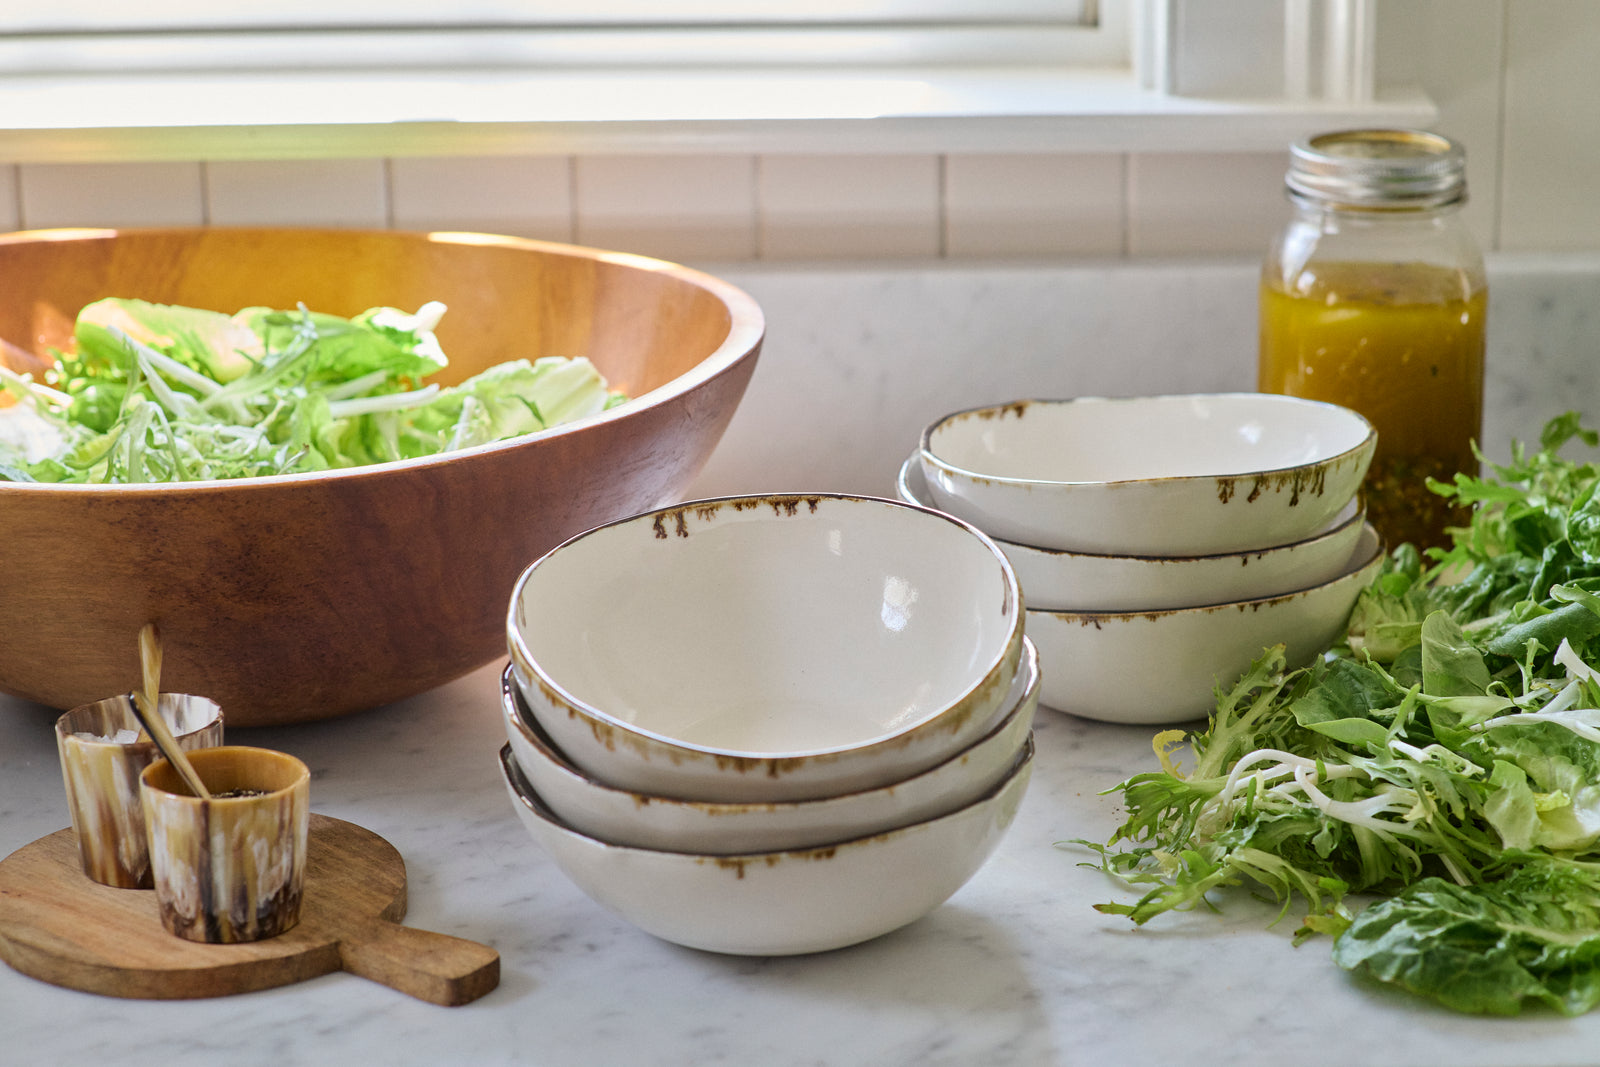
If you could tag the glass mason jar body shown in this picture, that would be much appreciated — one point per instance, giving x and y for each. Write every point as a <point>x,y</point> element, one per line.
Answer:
<point>1381,308</point>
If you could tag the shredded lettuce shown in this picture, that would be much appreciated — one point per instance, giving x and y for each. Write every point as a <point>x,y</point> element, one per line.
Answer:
<point>1441,762</point>
<point>162,393</point>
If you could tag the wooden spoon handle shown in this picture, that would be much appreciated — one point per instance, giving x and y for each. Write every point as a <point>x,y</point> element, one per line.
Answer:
<point>434,967</point>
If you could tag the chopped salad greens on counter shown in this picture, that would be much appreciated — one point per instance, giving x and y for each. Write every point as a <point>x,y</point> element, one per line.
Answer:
<point>162,393</point>
<point>1444,758</point>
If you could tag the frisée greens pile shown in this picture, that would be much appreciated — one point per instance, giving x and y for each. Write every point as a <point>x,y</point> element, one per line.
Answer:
<point>162,393</point>
<point>1444,758</point>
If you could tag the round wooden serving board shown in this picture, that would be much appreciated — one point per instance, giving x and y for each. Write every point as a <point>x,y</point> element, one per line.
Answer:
<point>60,927</point>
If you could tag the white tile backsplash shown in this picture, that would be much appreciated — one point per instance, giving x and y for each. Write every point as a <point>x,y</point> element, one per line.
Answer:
<point>848,206</point>
<point>1033,205</point>
<point>10,199</point>
<point>1551,155</point>
<point>678,207</point>
<point>110,194</point>
<point>1182,203</point>
<point>340,193</point>
<point>527,196</point>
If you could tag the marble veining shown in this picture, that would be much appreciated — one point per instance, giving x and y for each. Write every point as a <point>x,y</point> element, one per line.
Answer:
<point>1017,968</point>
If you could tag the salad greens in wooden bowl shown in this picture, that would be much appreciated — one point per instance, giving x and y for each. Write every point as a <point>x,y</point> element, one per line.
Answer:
<point>161,393</point>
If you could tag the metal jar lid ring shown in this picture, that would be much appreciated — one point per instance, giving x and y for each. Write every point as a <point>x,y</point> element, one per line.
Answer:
<point>1378,169</point>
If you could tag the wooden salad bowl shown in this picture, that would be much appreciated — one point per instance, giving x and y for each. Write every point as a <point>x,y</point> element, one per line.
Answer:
<point>301,597</point>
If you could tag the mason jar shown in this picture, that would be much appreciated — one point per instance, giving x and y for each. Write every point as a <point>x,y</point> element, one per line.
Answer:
<point>1373,296</point>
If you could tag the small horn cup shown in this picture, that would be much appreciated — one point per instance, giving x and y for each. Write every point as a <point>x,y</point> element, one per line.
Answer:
<point>232,868</point>
<point>101,775</point>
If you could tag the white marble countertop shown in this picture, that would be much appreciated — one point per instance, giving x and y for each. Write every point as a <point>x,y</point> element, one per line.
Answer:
<point>1017,968</point>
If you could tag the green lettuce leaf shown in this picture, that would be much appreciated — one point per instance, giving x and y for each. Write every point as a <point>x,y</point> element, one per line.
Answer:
<point>1487,949</point>
<point>206,341</point>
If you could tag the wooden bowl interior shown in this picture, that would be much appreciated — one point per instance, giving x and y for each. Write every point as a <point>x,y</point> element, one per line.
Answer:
<point>507,297</point>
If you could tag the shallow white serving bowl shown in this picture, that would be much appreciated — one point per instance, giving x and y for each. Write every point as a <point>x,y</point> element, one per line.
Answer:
<point>766,648</point>
<point>1056,579</point>
<point>1161,666</point>
<point>626,818</point>
<point>1149,476</point>
<point>783,902</point>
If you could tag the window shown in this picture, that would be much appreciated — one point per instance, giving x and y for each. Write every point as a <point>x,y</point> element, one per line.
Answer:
<point>87,35</point>
<point>187,79</point>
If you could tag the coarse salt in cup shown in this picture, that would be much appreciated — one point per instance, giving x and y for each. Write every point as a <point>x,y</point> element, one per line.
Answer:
<point>102,755</point>
<point>231,868</point>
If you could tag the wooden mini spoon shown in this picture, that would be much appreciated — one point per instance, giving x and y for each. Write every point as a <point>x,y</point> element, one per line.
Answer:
<point>145,709</point>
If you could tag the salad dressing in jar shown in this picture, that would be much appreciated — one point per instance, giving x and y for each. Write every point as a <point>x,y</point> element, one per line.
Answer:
<point>1374,297</point>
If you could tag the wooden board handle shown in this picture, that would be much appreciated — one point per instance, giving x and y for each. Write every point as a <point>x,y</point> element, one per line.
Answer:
<point>438,968</point>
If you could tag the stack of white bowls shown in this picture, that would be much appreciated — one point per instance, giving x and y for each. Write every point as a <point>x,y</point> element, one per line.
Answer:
<point>1162,542</point>
<point>770,725</point>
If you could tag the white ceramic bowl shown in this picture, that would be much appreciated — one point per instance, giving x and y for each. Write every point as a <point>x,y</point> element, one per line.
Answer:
<point>644,821</point>
<point>766,648</point>
<point>1189,475</point>
<point>1056,579</point>
<point>780,903</point>
<point>1162,666</point>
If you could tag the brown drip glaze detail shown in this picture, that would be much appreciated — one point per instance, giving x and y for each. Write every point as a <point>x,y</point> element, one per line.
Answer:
<point>738,864</point>
<point>1313,482</point>
<point>1016,408</point>
<point>678,518</point>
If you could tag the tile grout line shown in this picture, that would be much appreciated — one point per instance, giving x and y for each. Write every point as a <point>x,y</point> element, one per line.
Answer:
<point>572,199</point>
<point>1125,205</point>
<point>942,221</point>
<point>16,195</point>
<point>387,186</point>
<point>758,215</point>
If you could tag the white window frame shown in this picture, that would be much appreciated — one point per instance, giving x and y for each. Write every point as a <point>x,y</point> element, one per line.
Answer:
<point>157,35</point>
<point>91,15</point>
<point>1179,76</point>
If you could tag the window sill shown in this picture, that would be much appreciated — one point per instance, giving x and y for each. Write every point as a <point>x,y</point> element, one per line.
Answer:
<point>315,115</point>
